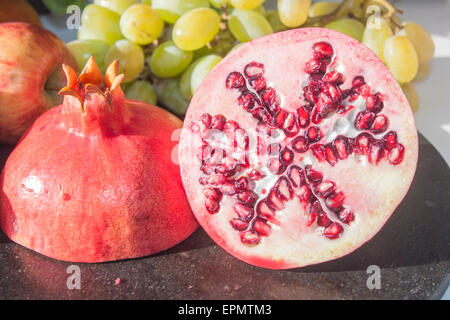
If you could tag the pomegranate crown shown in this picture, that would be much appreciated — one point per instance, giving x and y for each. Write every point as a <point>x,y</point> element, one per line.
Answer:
<point>91,81</point>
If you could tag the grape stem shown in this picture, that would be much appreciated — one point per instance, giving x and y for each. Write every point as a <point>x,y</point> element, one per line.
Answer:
<point>321,20</point>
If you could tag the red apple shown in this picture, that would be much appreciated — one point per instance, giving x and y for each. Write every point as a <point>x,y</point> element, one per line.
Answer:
<point>30,76</point>
<point>18,10</point>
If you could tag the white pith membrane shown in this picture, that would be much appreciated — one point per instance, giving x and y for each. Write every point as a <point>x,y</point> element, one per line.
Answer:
<point>372,191</point>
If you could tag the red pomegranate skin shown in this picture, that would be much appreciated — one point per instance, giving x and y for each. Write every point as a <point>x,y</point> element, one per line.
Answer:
<point>96,186</point>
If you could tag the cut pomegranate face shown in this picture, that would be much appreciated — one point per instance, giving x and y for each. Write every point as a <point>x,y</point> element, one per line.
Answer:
<point>316,148</point>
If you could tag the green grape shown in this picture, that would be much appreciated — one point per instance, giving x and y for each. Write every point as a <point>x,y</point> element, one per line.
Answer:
<point>141,24</point>
<point>423,73</point>
<point>99,23</point>
<point>171,10</point>
<point>118,6</point>
<point>375,35</point>
<point>141,91</point>
<point>350,27</point>
<point>196,28</point>
<point>218,3</point>
<point>293,13</point>
<point>221,46</point>
<point>420,39</point>
<point>275,22</point>
<point>246,25</point>
<point>82,50</point>
<point>412,96</point>
<point>169,95</point>
<point>185,81</point>
<point>401,58</point>
<point>168,60</point>
<point>201,70</point>
<point>130,57</point>
<point>246,4</point>
<point>322,8</point>
<point>59,7</point>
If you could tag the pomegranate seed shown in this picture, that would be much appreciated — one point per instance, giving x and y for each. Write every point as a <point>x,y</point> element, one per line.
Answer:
<point>346,215</point>
<point>296,176</point>
<point>243,211</point>
<point>390,139</point>
<point>264,211</point>
<point>325,188</point>
<point>311,218</point>
<point>263,129</point>
<point>290,126</point>
<point>263,115</point>
<point>274,201</point>
<point>330,155</point>
<point>239,224</point>
<point>313,134</point>
<point>255,175</point>
<point>247,197</point>
<point>380,124</point>
<point>276,166</point>
<point>374,103</point>
<point>317,150</point>
<point>314,66</point>
<point>303,193</point>
<point>286,156</point>
<point>364,90</point>
<point>229,128</point>
<point>333,231</point>
<point>274,149</point>
<point>324,48</point>
<point>342,147</point>
<point>335,201</point>
<point>363,142</point>
<point>261,227</point>
<point>279,118</point>
<point>303,117</point>
<point>269,98</point>
<point>206,120</point>
<point>228,189</point>
<point>235,80</point>
<point>250,238</point>
<point>357,82</point>
<point>284,189</point>
<point>334,77</point>
<point>258,84</point>
<point>300,144</point>
<point>241,139</point>
<point>207,169</point>
<point>212,205</point>
<point>313,176</point>
<point>323,220</point>
<point>241,183</point>
<point>376,152</point>
<point>332,92</point>
<point>396,154</point>
<point>212,193</point>
<point>248,100</point>
<point>254,70</point>
<point>218,122</point>
<point>364,120</point>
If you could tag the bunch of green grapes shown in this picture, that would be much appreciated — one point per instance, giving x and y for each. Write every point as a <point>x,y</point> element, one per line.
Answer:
<point>166,48</point>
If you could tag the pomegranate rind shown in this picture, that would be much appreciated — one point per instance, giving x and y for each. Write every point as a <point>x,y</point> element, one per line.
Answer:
<point>372,191</point>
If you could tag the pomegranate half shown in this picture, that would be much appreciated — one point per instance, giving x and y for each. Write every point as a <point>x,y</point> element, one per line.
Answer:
<point>297,148</point>
<point>96,178</point>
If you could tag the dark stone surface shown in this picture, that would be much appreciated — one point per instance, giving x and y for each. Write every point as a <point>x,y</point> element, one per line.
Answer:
<point>412,251</point>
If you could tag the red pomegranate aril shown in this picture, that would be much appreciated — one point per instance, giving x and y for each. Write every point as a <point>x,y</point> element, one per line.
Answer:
<point>331,92</point>
<point>284,189</point>
<point>313,176</point>
<point>324,48</point>
<point>362,143</point>
<point>248,100</point>
<point>313,134</point>
<point>364,120</point>
<point>206,120</point>
<point>334,77</point>
<point>346,215</point>
<point>247,197</point>
<point>396,154</point>
<point>380,124</point>
<point>235,80</point>
<point>258,84</point>
<point>322,219</point>
<point>212,193</point>
<point>254,70</point>
<point>269,98</point>
<point>280,118</point>
<point>313,66</point>
<point>330,155</point>
<point>274,201</point>
<point>374,103</point>
<point>325,188</point>
<point>255,175</point>
<point>274,149</point>
<point>243,211</point>
<point>264,210</point>
<point>261,227</point>
<point>303,193</point>
<point>296,176</point>
<point>276,166</point>
<point>286,156</point>
<point>263,129</point>
<point>241,183</point>
<point>390,139</point>
<point>228,188</point>
<point>357,82</point>
<point>212,205</point>
<point>300,144</point>
<point>241,139</point>
<point>333,231</point>
<point>303,117</point>
<point>218,122</point>
<point>376,152</point>
<point>342,147</point>
<point>311,218</point>
<point>317,150</point>
<point>250,238</point>
<point>335,201</point>
<point>239,224</point>
<point>230,127</point>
